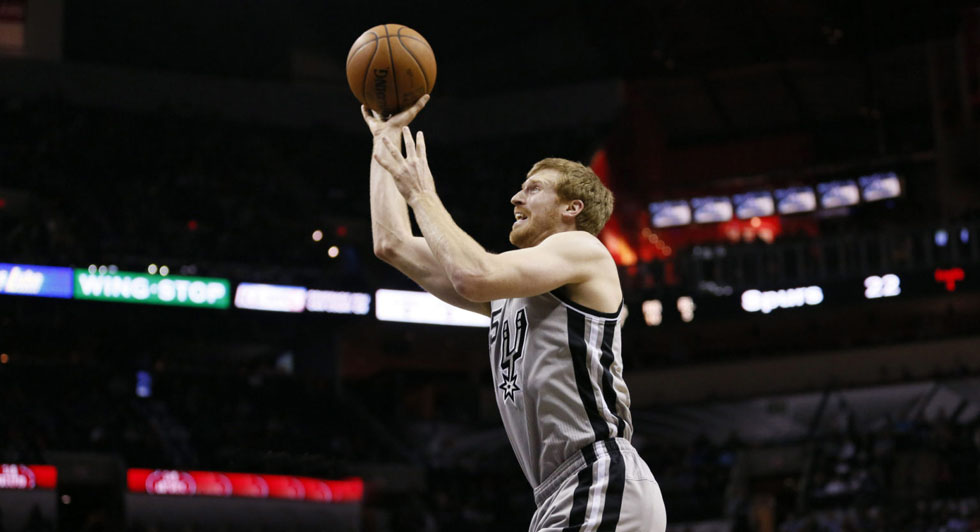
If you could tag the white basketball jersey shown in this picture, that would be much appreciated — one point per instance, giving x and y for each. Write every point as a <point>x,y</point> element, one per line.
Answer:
<point>558,374</point>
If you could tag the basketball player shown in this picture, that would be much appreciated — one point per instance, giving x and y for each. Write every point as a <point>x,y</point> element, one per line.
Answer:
<point>555,305</point>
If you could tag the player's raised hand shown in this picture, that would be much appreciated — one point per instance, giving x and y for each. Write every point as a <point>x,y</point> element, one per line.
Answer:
<point>392,126</point>
<point>410,171</point>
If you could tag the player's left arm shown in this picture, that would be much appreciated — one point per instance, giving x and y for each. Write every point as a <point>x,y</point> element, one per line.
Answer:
<point>565,258</point>
<point>561,259</point>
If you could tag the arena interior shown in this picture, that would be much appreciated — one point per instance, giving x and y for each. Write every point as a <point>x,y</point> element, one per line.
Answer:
<point>195,333</point>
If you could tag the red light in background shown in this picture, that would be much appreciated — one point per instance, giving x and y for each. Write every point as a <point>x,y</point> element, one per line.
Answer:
<point>3,203</point>
<point>766,228</point>
<point>612,236</point>
<point>341,230</point>
<point>950,277</point>
<point>192,225</point>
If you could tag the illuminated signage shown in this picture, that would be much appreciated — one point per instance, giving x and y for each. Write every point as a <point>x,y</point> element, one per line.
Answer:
<point>276,298</point>
<point>338,302</point>
<point>27,477</point>
<point>422,307</point>
<point>131,287</point>
<point>29,280</point>
<point>888,285</point>
<point>686,306</point>
<point>766,302</point>
<point>219,484</point>
<point>949,277</point>
<point>653,312</point>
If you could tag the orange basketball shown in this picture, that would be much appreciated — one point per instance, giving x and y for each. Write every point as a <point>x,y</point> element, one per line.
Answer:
<point>390,67</point>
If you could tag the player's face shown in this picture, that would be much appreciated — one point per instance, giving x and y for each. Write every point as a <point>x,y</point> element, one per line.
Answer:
<point>537,209</point>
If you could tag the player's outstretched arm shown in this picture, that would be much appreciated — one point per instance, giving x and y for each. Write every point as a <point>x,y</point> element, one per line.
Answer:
<point>391,228</point>
<point>567,258</point>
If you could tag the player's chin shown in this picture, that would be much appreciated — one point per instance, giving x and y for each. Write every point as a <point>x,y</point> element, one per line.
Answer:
<point>516,237</point>
<point>521,237</point>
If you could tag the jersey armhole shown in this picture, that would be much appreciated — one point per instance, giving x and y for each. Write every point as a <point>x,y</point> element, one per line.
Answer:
<point>586,310</point>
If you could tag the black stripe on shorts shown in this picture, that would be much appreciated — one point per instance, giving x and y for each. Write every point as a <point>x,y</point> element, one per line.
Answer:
<point>580,500</point>
<point>614,491</point>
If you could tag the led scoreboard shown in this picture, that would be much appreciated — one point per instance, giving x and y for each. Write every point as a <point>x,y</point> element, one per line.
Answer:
<point>877,289</point>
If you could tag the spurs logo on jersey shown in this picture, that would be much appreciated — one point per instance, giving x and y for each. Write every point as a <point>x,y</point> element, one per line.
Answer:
<point>512,345</point>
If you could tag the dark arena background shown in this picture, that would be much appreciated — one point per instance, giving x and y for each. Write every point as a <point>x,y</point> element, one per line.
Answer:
<point>195,334</point>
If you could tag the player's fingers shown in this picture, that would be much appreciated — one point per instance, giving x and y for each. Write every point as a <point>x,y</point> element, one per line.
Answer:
<point>420,147</point>
<point>391,161</point>
<point>388,153</point>
<point>393,150</point>
<point>419,104</point>
<point>386,163</point>
<point>409,143</point>
<point>368,119</point>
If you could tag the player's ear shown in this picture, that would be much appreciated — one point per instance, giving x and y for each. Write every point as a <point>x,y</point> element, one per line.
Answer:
<point>573,208</point>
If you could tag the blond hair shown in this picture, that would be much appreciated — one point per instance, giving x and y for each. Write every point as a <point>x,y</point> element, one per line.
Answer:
<point>578,181</point>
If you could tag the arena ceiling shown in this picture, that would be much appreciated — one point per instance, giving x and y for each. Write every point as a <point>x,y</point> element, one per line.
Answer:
<point>711,68</point>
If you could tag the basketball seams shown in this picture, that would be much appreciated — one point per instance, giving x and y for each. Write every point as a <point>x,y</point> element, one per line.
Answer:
<point>394,76</point>
<point>412,55</point>
<point>423,41</point>
<point>367,71</point>
<point>353,52</point>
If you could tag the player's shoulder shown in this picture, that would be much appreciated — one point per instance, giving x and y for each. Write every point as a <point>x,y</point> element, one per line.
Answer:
<point>580,237</point>
<point>578,242</point>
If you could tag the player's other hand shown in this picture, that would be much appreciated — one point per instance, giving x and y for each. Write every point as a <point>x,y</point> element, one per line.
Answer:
<point>410,171</point>
<point>392,127</point>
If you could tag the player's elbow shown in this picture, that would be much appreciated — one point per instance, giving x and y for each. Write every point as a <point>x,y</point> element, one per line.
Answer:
<point>383,250</point>
<point>386,249</point>
<point>471,286</point>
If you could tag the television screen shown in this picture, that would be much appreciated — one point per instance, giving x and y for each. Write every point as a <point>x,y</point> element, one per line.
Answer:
<point>753,204</point>
<point>838,193</point>
<point>711,209</point>
<point>880,186</point>
<point>670,213</point>
<point>795,199</point>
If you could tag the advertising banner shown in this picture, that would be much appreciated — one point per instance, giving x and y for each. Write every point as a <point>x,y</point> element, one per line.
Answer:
<point>272,297</point>
<point>191,483</point>
<point>29,280</point>
<point>338,302</point>
<point>422,307</point>
<point>131,287</point>
<point>27,477</point>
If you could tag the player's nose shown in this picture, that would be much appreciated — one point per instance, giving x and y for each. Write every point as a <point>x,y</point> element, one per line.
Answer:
<point>518,198</point>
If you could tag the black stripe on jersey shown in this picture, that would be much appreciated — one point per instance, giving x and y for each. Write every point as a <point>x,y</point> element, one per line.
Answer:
<point>580,499</point>
<point>580,365</point>
<point>585,309</point>
<point>614,491</point>
<point>606,360</point>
